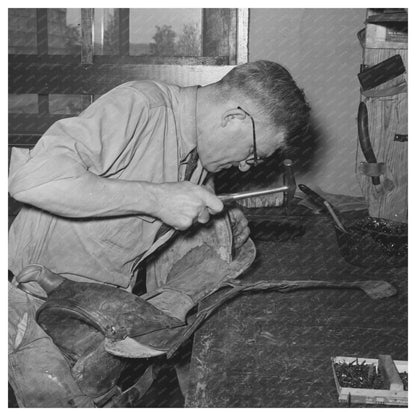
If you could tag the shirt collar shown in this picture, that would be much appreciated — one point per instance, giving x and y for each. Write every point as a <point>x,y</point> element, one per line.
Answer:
<point>187,121</point>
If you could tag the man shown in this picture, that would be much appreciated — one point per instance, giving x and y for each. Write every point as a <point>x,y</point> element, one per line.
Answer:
<point>99,186</point>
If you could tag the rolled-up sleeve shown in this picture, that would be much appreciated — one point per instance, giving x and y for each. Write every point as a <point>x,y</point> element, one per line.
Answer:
<point>101,140</point>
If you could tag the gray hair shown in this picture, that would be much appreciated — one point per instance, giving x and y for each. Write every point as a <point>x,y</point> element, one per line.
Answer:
<point>277,97</point>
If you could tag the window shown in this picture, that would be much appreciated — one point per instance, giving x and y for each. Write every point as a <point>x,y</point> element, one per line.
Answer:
<point>166,32</point>
<point>64,31</point>
<point>106,32</point>
<point>22,28</point>
<point>60,60</point>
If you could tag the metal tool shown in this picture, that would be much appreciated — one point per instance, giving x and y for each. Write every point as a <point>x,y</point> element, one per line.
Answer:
<point>288,188</point>
<point>229,198</point>
<point>290,182</point>
<point>317,199</point>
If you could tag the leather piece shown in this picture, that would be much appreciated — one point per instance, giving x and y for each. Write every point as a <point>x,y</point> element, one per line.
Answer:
<point>97,371</point>
<point>216,234</point>
<point>372,169</point>
<point>198,282</point>
<point>114,312</point>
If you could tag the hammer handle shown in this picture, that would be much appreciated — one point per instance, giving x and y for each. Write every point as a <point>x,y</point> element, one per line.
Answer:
<point>289,181</point>
<point>227,198</point>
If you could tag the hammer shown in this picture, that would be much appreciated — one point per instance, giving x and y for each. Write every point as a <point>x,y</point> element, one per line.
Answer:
<point>288,188</point>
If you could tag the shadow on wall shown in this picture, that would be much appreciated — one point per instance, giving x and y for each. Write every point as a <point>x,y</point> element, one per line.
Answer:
<point>308,155</point>
<point>320,49</point>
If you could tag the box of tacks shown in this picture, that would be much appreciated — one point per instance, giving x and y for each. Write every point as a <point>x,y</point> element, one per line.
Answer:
<point>371,380</point>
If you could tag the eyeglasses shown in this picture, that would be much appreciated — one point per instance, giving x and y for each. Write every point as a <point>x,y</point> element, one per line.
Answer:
<point>253,160</point>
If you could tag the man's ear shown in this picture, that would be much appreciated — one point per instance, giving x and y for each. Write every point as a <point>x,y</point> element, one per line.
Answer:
<point>231,114</point>
<point>243,166</point>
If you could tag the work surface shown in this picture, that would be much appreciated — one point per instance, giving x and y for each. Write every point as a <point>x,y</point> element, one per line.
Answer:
<point>273,349</point>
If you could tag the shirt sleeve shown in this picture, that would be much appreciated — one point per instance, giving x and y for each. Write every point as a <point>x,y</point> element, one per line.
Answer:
<point>101,140</point>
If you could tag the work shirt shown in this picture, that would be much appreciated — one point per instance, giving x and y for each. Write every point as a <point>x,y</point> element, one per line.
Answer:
<point>139,131</point>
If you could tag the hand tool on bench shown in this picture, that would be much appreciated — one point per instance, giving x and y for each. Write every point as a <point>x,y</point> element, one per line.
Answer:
<point>367,240</point>
<point>317,199</point>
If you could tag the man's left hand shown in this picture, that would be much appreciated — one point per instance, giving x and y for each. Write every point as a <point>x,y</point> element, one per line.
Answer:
<point>239,226</point>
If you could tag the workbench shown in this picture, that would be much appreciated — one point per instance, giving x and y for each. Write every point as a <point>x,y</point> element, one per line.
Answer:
<point>271,349</point>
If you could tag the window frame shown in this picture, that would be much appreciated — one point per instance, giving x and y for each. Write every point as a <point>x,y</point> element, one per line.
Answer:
<point>90,75</point>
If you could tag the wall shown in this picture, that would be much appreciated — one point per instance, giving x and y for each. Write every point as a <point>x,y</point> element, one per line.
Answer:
<point>321,50</point>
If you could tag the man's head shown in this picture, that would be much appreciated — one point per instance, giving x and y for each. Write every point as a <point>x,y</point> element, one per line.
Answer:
<point>258,99</point>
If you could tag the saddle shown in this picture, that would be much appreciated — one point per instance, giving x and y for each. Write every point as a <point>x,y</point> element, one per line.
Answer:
<point>98,326</point>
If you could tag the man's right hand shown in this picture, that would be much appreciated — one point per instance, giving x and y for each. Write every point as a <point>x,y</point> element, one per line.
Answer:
<point>180,204</point>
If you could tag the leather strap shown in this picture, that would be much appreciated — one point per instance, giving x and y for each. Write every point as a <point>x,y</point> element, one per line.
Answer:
<point>386,92</point>
<point>128,397</point>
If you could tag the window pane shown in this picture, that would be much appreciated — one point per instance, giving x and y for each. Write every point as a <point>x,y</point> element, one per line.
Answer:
<point>22,31</point>
<point>165,32</point>
<point>220,28</point>
<point>23,103</point>
<point>66,104</point>
<point>64,31</point>
<point>106,29</point>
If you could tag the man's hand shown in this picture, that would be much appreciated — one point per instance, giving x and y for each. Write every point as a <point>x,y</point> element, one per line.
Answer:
<point>180,204</point>
<point>239,226</point>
